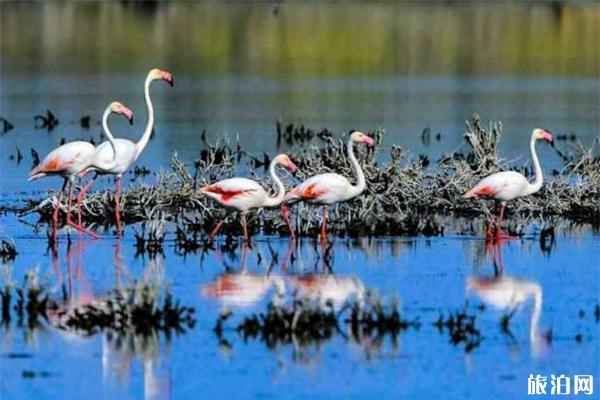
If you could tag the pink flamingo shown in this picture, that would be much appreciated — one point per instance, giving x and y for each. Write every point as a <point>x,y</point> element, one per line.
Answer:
<point>330,188</point>
<point>73,159</point>
<point>244,194</point>
<point>509,185</point>
<point>242,288</point>
<point>123,151</point>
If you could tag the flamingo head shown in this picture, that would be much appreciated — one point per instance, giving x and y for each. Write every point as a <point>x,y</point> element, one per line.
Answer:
<point>359,137</point>
<point>119,108</point>
<point>542,134</point>
<point>157,74</point>
<point>286,161</point>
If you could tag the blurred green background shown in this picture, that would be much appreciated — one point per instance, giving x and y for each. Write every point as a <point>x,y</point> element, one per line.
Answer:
<point>303,39</point>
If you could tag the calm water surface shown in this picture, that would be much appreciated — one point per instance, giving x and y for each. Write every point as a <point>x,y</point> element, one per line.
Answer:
<point>416,271</point>
<point>238,69</point>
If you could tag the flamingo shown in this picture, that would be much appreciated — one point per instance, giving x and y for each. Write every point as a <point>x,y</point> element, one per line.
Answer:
<point>508,293</point>
<point>73,159</point>
<point>327,189</point>
<point>328,288</point>
<point>124,151</point>
<point>244,194</point>
<point>509,185</point>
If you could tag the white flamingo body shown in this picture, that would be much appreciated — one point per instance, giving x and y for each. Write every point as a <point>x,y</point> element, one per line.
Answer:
<point>242,194</point>
<point>509,185</point>
<point>245,194</point>
<point>503,186</point>
<point>72,159</point>
<point>325,288</point>
<point>329,188</point>
<point>242,289</point>
<point>67,161</point>
<point>507,293</point>
<point>125,155</point>
<point>122,152</point>
<point>504,292</point>
<point>324,189</point>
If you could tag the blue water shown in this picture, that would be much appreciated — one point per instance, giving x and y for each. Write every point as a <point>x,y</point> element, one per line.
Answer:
<point>427,276</point>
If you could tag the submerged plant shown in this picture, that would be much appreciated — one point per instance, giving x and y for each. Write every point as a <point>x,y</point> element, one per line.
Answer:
<point>138,309</point>
<point>308,321</point>
<point>461,328</point>
<point>8,250</point>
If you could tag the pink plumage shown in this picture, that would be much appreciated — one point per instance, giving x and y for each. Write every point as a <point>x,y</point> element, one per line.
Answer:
<point>509,185</point>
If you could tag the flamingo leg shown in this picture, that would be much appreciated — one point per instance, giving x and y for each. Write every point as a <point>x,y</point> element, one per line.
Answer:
<point>81,196</point>
<point>71,223</point>
<point>245,227</point>
<point>56,209</point>
<point>324,226</point>
<point>489,230</point>
<point>117,205</point>
<point>499,230</point>
<point>285,213</point>
<point>216,229</point>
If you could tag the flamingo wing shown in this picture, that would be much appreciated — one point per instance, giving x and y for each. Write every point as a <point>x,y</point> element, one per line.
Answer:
<point>125,157</point>
<point>68,159</point>
<point>240,193</point>
<point>322,188</point>
<point>502,186</point>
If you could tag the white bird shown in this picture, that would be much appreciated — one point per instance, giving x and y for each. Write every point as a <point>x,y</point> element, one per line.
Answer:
<point>507,293</point>
<point>509,185</point>
<point>329,188</point>
<point>245,194</point>
<point>73,159</point>
<point>242,289</point>
<point>328,288</point>
<point>127,152</point>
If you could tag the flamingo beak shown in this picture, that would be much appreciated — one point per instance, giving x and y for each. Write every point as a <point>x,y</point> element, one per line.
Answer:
<point>368,140</point>
<point>548,137</point>
<point>128,114</point>
<point>292,167</point>
<point>167,76</point>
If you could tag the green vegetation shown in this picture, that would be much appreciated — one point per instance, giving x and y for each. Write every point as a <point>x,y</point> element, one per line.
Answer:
<point>302,39</point>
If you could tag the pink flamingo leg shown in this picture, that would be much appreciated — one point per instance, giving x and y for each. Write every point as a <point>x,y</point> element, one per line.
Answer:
<point>117,205</point>
<point>55,215</point>
<point>216,229</point>
<point>71,223</point>
<point>285,213</point>
<point>56,210</point>
<point>288,255</point>
<point>324,226</point>
<point>499,230</point>
<point>489,231</point>
<point>245,227</point>
<point>81,196</point>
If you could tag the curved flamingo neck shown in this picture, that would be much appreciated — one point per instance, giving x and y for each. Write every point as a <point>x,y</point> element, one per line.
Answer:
<point>141,144</point>
<point>273,201</point>
<point>537,311</point>
<point>358,172</point>
<point>106,130</point>
<point>537,182</point>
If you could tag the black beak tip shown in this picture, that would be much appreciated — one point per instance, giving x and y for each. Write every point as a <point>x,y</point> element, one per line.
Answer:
<point>131,121</point>
<point>171,82</point>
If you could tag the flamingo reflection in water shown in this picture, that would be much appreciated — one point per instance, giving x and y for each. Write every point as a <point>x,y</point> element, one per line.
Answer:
<point>119,350</point>
<point>243,289</point>
<point>510,294</point>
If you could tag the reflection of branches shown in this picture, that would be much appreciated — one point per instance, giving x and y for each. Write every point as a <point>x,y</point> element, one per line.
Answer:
<point>307,322</point>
